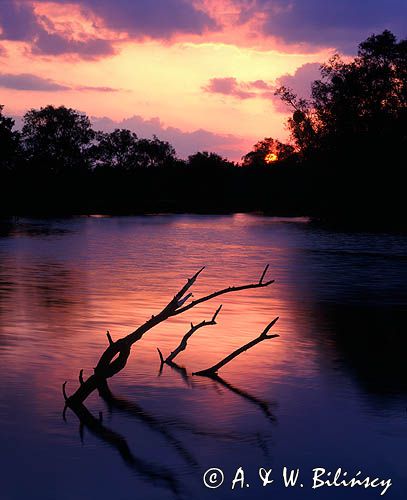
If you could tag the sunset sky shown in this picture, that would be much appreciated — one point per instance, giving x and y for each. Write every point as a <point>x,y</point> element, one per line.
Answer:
<point>199,73</point>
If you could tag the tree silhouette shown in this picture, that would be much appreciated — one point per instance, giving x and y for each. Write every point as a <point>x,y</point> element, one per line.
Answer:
<point>208,161</point>
<point>117,150</point>
<point>154,153</point>
<point>355,105</point>
<point>266,152</point>
<point>352,134</point>
<point>57,140</point>
<point>345,163</point>
<point>9,142</point>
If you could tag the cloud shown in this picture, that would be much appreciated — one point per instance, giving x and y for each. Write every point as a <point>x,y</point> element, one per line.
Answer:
<point>159,19</point>
<point>241,90</point>
<point>27,81</point>
<point>299,82</point>
<point>91,88</point>
<point>54,44</point>
<point>19,22</point>
<point>325,23</point>
<point>185,143</point>
<point>228,86</point>
<point>137,19</point>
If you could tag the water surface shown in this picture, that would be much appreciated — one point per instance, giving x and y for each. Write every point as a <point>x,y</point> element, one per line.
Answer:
<point>329,392</point>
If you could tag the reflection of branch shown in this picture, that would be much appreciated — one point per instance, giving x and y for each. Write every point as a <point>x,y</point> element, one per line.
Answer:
<point>133,409</point>
<point>181,370</point>
<point>263,405</point>
<point>184,342</point>
<point>154,473</point>
<point>209,372</point>
<point>260,403</point>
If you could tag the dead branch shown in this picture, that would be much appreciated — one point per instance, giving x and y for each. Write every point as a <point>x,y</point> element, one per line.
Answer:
<point>184,342</point>
<point>210,372</point>
<point>115,356</point>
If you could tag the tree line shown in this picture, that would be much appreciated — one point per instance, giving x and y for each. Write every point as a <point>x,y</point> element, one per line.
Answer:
<point>344,163</point>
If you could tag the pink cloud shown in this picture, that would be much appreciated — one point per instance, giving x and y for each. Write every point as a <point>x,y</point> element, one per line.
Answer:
<point>232,87</point>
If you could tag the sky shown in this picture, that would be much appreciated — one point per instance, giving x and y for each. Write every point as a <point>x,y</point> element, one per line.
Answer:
<point>198,73</point>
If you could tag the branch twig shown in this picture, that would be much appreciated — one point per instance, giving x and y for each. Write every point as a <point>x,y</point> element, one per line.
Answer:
<point>184,342</point>
<point>213,370</point>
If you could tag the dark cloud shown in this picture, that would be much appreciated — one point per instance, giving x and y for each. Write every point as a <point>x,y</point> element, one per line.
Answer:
<point>54,44</point>
<point>160,19</point>
<point>185,143</point>
<point>18,22</point>
<point>27,81</point>
<point>340,24</point>
<point>146,18</point>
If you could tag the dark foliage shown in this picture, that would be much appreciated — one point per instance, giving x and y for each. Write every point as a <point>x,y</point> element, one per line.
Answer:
<point>352,134</point>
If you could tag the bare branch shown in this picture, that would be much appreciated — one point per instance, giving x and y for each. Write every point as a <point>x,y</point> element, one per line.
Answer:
<point>161,356</point>
<point>115,356</point>
<point>216,313</point>
<point>184,341</point>
<point>64,391</point>
<point>263,274</point>
<point>81,377</point>
<point>109,338</point>
<point>221,292</point>
<point>263,336</point>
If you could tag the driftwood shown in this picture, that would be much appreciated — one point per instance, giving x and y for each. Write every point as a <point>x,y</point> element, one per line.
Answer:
<point>115,356</point>
<point>184,342</point>
<point>213,370</point>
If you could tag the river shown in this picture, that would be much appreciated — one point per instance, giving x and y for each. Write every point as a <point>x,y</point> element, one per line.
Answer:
<point>329,392</point>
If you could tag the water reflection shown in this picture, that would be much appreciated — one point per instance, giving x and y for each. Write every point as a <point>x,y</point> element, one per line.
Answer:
<point>331,389</point>
<point>135,410</point>
<point>154,474</point>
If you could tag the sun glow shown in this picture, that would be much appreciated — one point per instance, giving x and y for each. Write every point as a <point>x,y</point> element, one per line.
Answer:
<point>270,158</point>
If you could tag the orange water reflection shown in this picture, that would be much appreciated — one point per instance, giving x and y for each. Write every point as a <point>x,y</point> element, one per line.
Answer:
<point>56,307</point>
